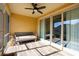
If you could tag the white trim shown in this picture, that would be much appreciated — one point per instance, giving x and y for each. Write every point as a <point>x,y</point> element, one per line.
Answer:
<point>62,30</point>
<point>51,28</point>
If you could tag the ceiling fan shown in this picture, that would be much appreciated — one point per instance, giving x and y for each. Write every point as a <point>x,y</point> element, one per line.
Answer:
<point>36,8</point>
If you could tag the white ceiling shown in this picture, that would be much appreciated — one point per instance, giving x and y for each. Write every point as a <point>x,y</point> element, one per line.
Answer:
<point>18,8</point>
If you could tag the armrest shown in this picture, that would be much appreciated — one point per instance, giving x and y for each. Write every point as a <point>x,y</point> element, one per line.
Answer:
<point>36,34</point>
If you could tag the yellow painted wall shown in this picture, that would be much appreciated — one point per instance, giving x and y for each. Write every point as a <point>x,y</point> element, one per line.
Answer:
<point>20,23</point>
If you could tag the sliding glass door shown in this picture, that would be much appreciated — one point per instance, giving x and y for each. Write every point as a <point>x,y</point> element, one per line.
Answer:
<point>56,35</point>
<point>56,30</point>
<point>71,29</point>
<point>47,29</point>
<point>42,29</point>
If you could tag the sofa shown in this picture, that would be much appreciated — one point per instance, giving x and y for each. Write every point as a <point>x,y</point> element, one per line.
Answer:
<point>25,36</point>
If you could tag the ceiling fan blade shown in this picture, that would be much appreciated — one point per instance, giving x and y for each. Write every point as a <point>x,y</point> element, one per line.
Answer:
<point>42,7</point>
<point>29,8</point>
<point>34,4</point>
<point>40,12</point>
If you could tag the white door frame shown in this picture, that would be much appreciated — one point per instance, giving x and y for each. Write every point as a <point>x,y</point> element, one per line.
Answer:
<point>62,29</point>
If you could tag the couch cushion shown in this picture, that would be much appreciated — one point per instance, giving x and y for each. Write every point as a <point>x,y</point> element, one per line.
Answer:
<point>23,33</point>
<point>25,38</point>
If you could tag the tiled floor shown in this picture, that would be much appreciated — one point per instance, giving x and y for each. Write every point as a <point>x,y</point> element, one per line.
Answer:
<point>47,50</point>
<point>38,48</point>
<point>35,44</point>
<point>57,54</point>
<point>32,52</point>
<point>14,49</point>
<point>41,49</point>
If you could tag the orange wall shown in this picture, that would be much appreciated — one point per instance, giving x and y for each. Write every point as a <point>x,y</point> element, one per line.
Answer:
<point>20,23</point>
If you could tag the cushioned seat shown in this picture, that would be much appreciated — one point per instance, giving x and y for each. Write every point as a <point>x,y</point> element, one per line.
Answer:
<point>25,36</point>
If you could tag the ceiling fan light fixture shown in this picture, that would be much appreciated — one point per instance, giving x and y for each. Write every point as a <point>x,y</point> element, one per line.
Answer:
<point>35,8</point>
